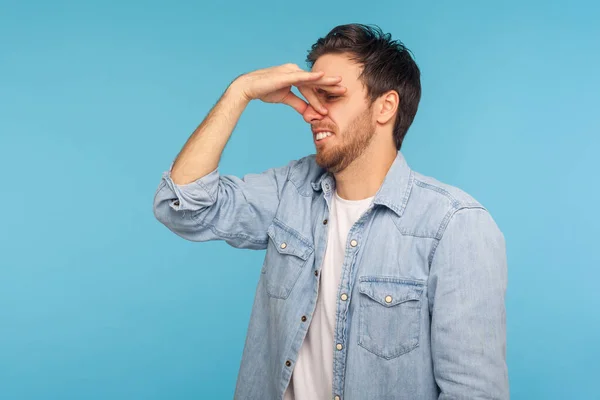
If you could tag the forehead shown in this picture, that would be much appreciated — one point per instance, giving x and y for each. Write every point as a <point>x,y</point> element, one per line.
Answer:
<point>339,65</point>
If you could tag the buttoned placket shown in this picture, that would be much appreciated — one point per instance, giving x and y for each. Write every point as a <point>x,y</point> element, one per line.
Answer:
<point>343,304</point>
<point>328,191</point>
<point>306,318</point>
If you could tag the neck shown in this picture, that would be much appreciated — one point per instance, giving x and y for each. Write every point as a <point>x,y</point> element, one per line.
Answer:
<point>364,176</point>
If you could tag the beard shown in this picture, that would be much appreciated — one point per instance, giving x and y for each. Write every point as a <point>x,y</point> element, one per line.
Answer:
<point>349,145</point>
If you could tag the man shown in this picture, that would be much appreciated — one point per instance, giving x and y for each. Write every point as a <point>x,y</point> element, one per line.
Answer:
<point>378,282</point>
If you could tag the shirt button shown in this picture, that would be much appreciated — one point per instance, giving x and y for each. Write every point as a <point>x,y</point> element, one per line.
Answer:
<point>344,296</point>
<point>325,221</point>
<point>388,299</point>
<point>304,318</point>
<point>283,245</point>
<point>176,202</point>
<point>339,346</point>
<point>288,363</point>
<point>353,243</point>
<point>316,273</point>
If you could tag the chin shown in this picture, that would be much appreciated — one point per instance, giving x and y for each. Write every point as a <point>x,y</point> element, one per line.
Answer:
<point>327,164</point>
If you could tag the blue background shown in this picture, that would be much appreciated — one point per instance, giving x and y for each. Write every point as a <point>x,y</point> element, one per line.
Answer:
<point>98,300</point>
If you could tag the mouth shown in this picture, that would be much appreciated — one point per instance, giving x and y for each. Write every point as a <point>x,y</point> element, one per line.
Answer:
<point>322,136</point>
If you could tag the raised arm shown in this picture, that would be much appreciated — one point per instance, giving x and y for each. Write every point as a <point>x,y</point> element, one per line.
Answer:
<point>195,201</point>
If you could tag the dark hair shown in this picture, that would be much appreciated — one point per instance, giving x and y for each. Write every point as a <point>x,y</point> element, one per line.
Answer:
<point>387,64</point>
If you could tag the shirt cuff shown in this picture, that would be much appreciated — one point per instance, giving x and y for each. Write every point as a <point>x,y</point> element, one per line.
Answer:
<point>194,195</point>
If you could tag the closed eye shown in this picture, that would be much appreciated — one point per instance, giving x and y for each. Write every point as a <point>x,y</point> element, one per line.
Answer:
<point>328,96</point>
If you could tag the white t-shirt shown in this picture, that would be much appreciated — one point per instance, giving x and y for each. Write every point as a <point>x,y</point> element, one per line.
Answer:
<point>312,377</point>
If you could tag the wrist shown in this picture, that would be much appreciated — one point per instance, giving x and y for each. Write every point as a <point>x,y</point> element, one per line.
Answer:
<point>236,90</point>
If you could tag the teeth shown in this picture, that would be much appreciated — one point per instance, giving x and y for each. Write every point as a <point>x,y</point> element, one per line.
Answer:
<point>322,135</point>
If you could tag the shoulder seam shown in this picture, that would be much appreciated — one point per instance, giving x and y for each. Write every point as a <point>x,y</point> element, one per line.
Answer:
<point>446,221</point>
<point>425,185</point>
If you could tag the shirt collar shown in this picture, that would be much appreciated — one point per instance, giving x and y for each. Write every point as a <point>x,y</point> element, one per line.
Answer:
<point>394,190</point>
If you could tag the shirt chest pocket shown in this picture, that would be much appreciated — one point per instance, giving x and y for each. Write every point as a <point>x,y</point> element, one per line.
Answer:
<point>389,315</point>
<point>287,254</point>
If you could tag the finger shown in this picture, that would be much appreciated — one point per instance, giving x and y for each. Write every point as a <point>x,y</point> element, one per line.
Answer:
<point>326,80</point>
<point>334,89</point>
<point>313,99</point>
<point>338,89</point>
<point>295,102</point>
<point>295,77</point>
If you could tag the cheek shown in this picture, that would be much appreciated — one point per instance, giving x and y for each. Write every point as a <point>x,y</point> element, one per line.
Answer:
<point>341,118</point>
<point>335,115</point>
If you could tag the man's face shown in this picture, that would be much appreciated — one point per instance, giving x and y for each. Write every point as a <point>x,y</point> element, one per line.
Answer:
<point>349,116</point>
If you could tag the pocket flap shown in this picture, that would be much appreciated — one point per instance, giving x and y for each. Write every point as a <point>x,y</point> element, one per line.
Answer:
<point>389,291</point>
<point>288,241</point>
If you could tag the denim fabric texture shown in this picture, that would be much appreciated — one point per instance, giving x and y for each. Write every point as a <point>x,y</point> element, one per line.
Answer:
<point>421,302</point>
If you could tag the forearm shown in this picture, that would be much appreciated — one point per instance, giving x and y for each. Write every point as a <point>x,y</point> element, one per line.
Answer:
<point>202,152</point>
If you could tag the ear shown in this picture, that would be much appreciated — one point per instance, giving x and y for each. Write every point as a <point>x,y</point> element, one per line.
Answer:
<point>386,106</point>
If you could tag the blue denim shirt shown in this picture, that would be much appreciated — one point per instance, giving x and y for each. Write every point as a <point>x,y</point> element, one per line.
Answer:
<point>421,301</point>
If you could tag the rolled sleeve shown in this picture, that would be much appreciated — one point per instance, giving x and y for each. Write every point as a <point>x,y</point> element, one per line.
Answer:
<point>222,207</point>
<point>195,195</point>
<point>467,287</point>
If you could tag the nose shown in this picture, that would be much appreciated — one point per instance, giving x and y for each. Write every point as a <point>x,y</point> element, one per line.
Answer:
<point>311,115</point>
